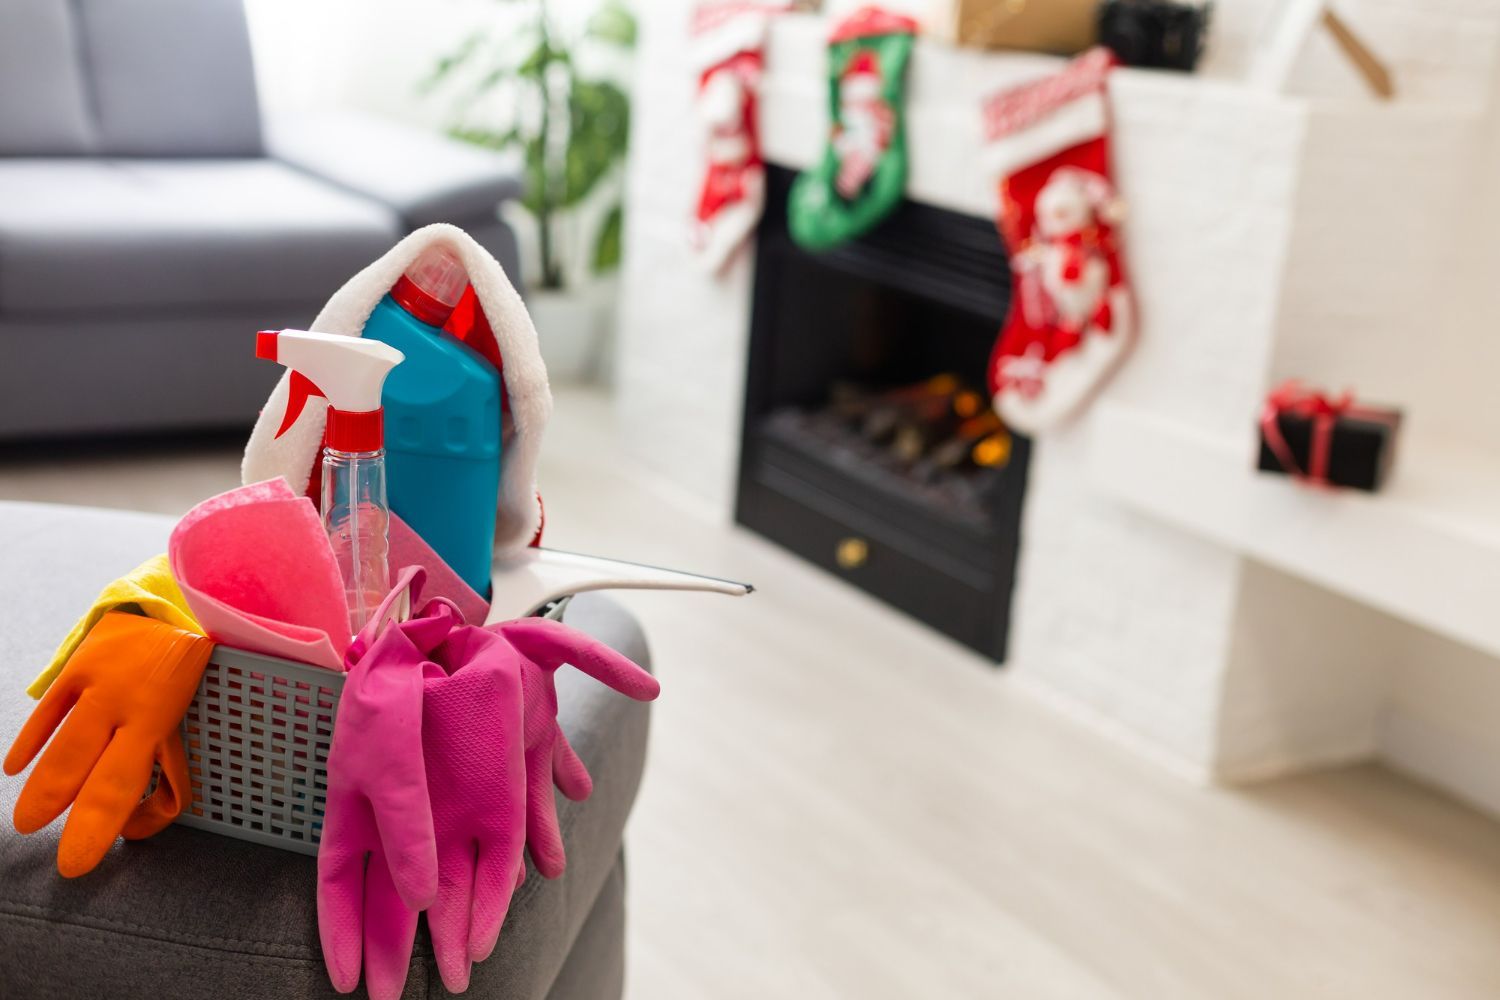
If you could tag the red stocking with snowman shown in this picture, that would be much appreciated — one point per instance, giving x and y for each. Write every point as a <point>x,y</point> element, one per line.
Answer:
<point>1071,319</point>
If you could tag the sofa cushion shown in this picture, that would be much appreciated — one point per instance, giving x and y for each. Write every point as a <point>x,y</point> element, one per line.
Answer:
<point>171,77</point>
<point>85,236</point>
<point>188,914</point>
<point>43,107</point>
<point>194,370</point>
<point>424,176</point>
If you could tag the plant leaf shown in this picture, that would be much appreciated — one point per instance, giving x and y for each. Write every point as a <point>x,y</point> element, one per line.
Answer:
<point>599,130</point>
<point>453,60</point>
<point>614,24</point>
<point>541,58</point>
<point>607,244</point>
<point>487,138</point>
<point>539,196</point>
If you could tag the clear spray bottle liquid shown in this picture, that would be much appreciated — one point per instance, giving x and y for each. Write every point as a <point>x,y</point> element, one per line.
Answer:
<point>357,520</point>
<point>349,372</point>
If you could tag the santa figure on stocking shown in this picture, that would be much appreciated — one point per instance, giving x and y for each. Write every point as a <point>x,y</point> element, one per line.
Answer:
<point>865,123</point>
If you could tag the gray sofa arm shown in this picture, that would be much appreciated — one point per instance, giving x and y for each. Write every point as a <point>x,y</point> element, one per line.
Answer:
<point>187,914</point>
<point>424,177</point>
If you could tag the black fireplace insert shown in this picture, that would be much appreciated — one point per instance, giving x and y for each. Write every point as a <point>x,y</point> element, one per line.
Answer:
<point>869,445</point>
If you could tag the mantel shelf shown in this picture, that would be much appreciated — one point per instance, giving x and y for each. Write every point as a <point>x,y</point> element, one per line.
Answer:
<point>1426,549</point>
<point>1158,114</point>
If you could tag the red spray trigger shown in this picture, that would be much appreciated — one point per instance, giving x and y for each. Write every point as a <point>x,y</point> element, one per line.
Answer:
<point>347,371</point>
<point>299,388</point>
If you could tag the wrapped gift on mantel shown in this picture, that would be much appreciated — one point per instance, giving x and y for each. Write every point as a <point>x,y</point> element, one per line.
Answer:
<point>1162,34</point>
<point>1065,27</point>
<point>1327,441</point>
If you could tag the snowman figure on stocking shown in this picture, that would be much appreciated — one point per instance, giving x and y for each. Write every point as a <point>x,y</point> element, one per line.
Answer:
<point>1071,295</point>
<point>1072,252</point>
<point>1071,321</point>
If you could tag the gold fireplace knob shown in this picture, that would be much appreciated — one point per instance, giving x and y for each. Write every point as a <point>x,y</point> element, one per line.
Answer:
<point>852,553</point>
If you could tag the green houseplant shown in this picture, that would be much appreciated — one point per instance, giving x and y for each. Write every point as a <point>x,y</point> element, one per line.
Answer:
<point>529,89</point>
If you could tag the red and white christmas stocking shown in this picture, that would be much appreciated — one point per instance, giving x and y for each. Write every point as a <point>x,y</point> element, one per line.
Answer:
<point>728,39</point>
<point>1071,318</point>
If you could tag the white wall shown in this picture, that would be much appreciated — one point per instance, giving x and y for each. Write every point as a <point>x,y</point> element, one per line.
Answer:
<point>1308,677</point>
<point>1440,722</point>
<point>366,54</point>
<point>371,54</point>
<point>1120,619</point>
<point>1407,338</point>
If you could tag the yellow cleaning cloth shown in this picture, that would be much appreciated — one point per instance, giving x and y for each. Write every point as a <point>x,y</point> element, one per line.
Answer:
<point>149,589</point>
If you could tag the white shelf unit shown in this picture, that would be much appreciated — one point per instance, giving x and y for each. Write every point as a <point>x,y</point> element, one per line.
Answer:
<point>1426,549</point>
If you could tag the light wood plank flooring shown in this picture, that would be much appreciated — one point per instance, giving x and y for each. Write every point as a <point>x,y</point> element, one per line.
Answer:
<point>840,803</point>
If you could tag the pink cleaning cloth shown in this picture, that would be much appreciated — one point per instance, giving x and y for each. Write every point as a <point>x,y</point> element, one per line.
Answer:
<point>407,548</point>
<point>258,572</point>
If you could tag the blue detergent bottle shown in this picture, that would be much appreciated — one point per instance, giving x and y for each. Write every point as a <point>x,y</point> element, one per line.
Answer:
<point>442,419</point>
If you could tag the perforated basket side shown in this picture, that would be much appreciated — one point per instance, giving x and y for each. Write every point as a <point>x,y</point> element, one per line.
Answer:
<point>257,737</point>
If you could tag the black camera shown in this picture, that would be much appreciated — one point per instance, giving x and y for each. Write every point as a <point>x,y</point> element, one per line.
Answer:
<point>1164,34</point>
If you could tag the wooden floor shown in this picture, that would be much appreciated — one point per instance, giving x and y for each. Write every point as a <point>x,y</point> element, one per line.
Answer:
<point>840,803</point>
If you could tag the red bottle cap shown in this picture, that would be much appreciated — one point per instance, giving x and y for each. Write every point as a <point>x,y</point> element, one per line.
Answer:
<point>432,286</point>
<point>355,432</point>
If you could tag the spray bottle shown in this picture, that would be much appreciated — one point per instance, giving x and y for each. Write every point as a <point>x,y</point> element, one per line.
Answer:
<point>350,373</point>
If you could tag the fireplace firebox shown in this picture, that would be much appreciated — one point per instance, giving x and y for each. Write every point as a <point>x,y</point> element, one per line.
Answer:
<point>869,447</point>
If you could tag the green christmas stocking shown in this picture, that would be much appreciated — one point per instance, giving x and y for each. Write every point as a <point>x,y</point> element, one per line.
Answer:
<point>863,171</point>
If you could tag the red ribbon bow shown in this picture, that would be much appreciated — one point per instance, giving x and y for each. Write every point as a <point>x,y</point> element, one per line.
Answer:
<point>1294,399</point>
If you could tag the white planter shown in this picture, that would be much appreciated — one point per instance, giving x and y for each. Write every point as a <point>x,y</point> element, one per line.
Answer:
<point>571,328</point>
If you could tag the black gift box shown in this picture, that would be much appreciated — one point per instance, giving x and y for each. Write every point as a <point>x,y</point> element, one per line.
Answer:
<point>1162,34</point>
<point>1362,444</point>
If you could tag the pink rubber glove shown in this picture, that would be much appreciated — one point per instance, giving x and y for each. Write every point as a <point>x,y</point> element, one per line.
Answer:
<point>472,736</point>
<point>472,742</point>
<point>482,749</point>
<point>378,803</point>
<point>544,646</point>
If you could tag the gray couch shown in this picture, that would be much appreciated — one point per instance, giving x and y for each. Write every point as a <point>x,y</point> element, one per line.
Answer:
<point>150,221</point>
<point>189,914</point>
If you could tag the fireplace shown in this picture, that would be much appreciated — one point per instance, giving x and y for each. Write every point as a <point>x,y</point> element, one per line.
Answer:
<point>868,447</point>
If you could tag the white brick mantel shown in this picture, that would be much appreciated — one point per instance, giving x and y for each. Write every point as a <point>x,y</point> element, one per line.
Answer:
<point>1269,235</point>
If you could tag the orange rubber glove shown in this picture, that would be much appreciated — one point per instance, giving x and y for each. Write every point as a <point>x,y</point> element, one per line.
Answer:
<point>150,589</point>
<point>124,692</point>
